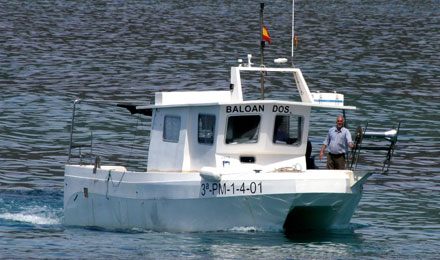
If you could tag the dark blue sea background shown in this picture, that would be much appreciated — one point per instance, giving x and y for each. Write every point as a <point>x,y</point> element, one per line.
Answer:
<point>382,55</point>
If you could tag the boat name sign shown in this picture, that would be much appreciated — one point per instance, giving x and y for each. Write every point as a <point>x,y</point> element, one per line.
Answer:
<point>256,108</point>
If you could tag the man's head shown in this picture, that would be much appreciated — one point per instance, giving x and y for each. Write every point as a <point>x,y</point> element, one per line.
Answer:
<point>339,122</point>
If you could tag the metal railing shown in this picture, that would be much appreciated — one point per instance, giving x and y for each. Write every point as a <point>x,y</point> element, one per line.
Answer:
<point>90,157</point>
<point>390,138</point>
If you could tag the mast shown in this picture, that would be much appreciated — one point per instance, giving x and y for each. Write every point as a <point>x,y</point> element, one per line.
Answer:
<point>293,28</point>
<point>262,44</point>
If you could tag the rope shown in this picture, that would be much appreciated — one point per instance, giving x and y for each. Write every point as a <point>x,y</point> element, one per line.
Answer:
<point>110,178</point>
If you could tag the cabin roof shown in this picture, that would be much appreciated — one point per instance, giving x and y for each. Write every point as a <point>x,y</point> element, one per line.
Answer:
<point>246,102</point>
<point>235,95</point>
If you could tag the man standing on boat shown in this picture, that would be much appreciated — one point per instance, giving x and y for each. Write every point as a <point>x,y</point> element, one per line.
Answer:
<point>338,140</point>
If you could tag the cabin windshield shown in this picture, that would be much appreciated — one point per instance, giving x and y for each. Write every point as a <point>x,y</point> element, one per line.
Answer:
<point>288,129</point>
<point>243,129</point>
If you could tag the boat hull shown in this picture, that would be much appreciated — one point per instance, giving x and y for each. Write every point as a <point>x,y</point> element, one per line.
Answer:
<point>124,200</point>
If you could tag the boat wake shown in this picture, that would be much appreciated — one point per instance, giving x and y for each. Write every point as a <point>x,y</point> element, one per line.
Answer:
<point>252,229</point>
<point>31,207</point>
<point>36,215</point>
<point>343,229</point>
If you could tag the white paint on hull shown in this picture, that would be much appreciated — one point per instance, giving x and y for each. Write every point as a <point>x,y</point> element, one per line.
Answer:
<point>164,201</point>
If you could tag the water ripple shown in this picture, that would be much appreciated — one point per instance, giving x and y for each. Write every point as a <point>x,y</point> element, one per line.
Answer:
<point>382,55</point>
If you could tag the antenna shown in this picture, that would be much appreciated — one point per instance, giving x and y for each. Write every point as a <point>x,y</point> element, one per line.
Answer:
<point>293,27</point>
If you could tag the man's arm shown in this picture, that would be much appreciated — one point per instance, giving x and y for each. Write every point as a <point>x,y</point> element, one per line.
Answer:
<point>321,154</point>
<point>324,145</point>
<point>349,140</point>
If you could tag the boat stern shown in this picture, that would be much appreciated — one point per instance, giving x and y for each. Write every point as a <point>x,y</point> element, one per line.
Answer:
<point>327,211</point>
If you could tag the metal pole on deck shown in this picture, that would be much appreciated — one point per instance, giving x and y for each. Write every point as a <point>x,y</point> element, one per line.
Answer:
<point>71,129</point>
<point>262,44</point>
<point>345,118</point>
<point>293,29</point>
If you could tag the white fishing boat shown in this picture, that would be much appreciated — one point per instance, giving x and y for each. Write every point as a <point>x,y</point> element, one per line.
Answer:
<point>217,162</point>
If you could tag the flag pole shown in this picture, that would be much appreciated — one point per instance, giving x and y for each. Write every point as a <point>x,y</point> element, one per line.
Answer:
<point>293,28</point>
<point>262,44</point>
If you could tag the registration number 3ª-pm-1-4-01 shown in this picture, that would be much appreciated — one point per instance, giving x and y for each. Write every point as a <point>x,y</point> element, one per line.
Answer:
<point>232,188</point>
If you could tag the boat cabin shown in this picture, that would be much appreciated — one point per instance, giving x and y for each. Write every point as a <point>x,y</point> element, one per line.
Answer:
<point>192,130</point>
<point>220,130</point>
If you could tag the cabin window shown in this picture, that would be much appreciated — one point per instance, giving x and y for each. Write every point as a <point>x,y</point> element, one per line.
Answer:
<point>243,129</point>
<point>206,129</point>
<point>171,129</point>
<point>288,129</point>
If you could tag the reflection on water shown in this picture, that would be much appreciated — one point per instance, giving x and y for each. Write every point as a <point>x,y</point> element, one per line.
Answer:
<point>382,55</point>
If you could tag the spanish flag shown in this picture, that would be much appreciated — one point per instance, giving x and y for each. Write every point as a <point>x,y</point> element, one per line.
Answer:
<point>266,35</point>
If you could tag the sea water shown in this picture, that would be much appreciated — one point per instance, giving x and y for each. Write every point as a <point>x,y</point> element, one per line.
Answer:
<point>382,55</point>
